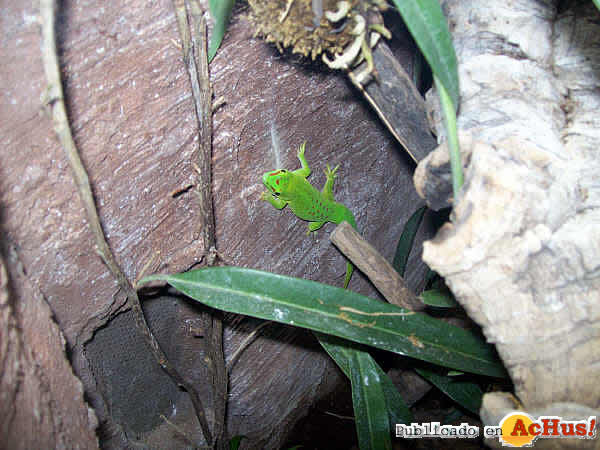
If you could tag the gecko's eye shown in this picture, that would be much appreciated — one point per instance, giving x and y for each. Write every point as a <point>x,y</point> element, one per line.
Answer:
<point>283,170</point>
<point>276,194</point>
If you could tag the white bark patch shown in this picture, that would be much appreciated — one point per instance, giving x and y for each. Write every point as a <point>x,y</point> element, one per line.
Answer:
<point>522,253</point>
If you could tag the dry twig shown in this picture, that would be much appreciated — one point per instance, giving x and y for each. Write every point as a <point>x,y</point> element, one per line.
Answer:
<point>56,106</point>
<point>376,267</point>
<point>194,48</point>
<point>245,344</point>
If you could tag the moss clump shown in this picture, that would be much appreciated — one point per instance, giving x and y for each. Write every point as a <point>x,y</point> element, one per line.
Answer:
<point>302,25</point>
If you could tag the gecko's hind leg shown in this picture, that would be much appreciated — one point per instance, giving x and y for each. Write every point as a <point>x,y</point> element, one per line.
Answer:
<point>314,226</point>
<point>328,187</point>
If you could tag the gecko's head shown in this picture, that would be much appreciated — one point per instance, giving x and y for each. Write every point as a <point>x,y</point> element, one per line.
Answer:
<point>276,181</point>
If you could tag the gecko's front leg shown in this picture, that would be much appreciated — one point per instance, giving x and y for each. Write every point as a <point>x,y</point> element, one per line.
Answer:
<point>305,170</point>
<point>276,202</point>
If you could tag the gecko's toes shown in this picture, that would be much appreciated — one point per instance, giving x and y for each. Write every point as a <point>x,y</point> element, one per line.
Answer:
<point>331,172</point>
<point>301,149</point>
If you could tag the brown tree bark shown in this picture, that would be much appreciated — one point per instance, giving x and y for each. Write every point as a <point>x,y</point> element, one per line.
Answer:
<point>133,120</point>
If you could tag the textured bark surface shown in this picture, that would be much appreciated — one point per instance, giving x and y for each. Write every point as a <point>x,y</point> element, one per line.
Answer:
<point>522,252</point>
<point>41,400</point>
<point>133,119</point>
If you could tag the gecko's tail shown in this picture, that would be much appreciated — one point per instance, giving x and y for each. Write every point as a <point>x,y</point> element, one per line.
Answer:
<point>349,270</point>
<point>349,217</point>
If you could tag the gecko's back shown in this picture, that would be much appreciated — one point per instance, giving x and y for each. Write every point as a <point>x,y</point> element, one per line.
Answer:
<point>308,203</point>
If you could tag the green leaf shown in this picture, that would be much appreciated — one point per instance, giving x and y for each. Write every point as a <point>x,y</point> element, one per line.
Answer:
<point>453,414</point>
<point>370,413</point>
<point>234,442</point>
<point>336,311</point>
<point>431,277</point>
<point>220,10</point>
<point>439,298</point>
<point>597,3</point>
<point>341,351</point>
<point>398,411</point>
<point>449,114</point>
<point>427,24</point>
<point>466,393</point>
<point>346,355</point>
<point>406,240</point>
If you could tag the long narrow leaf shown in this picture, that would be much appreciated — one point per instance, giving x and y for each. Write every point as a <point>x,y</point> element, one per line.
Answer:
<point>427,24</point>
<point>406,240</point>
<point>235,442</point>
<point>333,310</point>
<point>466,393</point>
<point>449,114</point>
<point>341,351</point>
<point>220,10</point>
<point>439,298</point>
<point>366,401</point>
<point>372,423</point>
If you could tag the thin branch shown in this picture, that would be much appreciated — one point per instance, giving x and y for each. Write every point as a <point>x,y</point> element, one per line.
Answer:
<point>182,433</point>
<point>375,266</point>
<point>406,119</point>
<point>220,380</point>
<point>194,48</point>
<point>56,105</point>
<point>245,344</point>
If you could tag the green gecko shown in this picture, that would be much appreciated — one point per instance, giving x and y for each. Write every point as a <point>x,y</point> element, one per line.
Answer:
<point>292,188</point>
